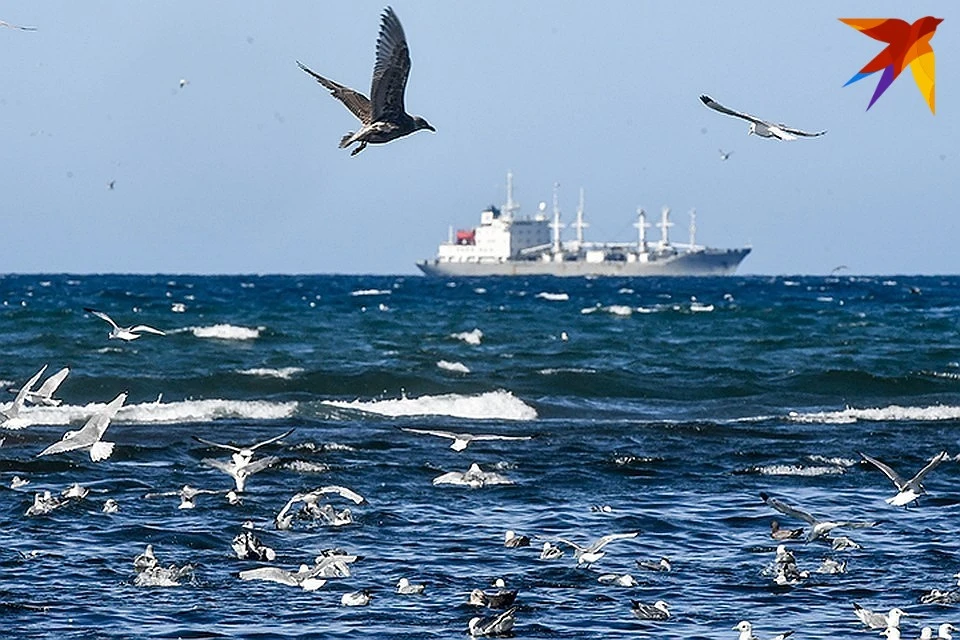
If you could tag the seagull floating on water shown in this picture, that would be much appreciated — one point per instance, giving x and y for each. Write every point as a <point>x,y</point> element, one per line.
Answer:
<point>818,528</point>
<point>550,552</point>
<point>311,509</point>
<point>382,116</point>
<point>304,577</point>
<point>512,540</point>
<point>746,632</point>
<point>624,580</point>
<point>461,440</point>
<point>248,546</point>
<point>123,333</point>
<point>659,610</point>
<point>662,565</point>
<point>91,434</point>
<point>760,127</point>
<point>406,588</point>
<point>356,598</point>
<point>496,626</point>
<point>783,534</point>
<point>908,490</point>
<point>499,599</point>
<point>474,477</point>
<point>875,620</point>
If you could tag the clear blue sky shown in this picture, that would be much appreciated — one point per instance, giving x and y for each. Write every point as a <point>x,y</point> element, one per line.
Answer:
<point>239,171</point>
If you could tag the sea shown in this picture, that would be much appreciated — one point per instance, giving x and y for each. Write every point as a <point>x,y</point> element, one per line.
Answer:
<point>657,406</point>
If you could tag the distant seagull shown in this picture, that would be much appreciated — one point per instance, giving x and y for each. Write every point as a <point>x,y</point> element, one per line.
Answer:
<point>659,610</point>
<point>124,333</point>
<point>243,454</point>
<point>382,115</point>
<point>474,477</point>
<point>818,528</point>
<point>593,551</point>
<point>874,620</point>
<point>662,565</point>
<point>111,506</point>
<point>461,440</point>
<point>356,598</point>
<point>837,269</point>
<point>725,154</point>
<point>406,588</point>
<point>44,395</point>
<point>496,626</point>
<point>111,184</point>
<point>550,552</point>
<point>512,540</point>
<point>184,82</point>
<point>186,493</point>
<point>13,411</point>
<point>746,632</point>
<point>760,127</point>
<point>304,577</point>
<point>783,534</point>
<point>16,26</point>
<point>909,490</point>
<point>91,434</point>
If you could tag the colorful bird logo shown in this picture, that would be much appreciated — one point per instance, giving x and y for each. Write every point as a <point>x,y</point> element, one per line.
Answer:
<point>906,44</point>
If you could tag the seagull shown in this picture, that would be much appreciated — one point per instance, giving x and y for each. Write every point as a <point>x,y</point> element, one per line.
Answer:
<point>13,411</point>
<point>783,534</point>
<point>909,490</point>
<point>499,599</point>
<point>243,455</point>
<point>240,473</point>
<point>284,519</point>
<point>145,560</point>
<point>461,440</point>
<point>247,545</point>
<point>841,543</point>
<point>187,494</point>
<point>878,620</point>
<point>151,574</point>
<point>818,528</point>
<point>4,23</point>
<point>43,503</point>
<point>943,632</point>
<point>831,566</point>
<point>496,626</point>
<point>382,116</point>
<point>512,540</point>
<point>123,333</point>
<point>474,477</point>
<point>550,552</point>
<point>334,563</point>
<point>746,632</point>
<point>356,599</point>
<point>304,577</point>
<point>725,154</point>
<point>625,580</point>
<point>659,610</point>
<point>16,482</point>
<point>406,588</point>
<point>111,506</point>
<point>44,395</point>
<point>592,552</point>
<point>662,565</point>
<point>760,127</point>
<point>91,434</point>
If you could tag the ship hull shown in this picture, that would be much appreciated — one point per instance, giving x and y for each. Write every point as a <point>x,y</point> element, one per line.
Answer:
<point>710,262</point>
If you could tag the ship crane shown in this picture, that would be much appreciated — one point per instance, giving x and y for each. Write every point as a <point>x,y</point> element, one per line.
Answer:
<point>580,225</point>
<point>557,226</point>
<point>664,226</point>
<point>642,225</point>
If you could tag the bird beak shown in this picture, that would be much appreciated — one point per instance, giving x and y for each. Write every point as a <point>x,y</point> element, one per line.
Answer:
<point>429,126</point>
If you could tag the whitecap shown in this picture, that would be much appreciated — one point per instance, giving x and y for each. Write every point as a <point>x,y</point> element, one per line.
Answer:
<point>370,292</point>
<point>555,297</point>
<point>698,307</point>
<point>892,413</point>
<point>284,373</point>
<point>470,337</point>
<point>302,466</point>
<point>226,332</point>
<point>457,367</point>
<point>492,405</point>
<point>836,461</point>
<point>796,470</point>
<point>551,371</point>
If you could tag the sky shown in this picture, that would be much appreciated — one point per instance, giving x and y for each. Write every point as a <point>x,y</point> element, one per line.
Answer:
<point>239,171</point>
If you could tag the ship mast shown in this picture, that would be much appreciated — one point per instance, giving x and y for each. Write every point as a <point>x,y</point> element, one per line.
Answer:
<point>511,206</point>
<point>580,225</point>
<point>556,225</point>
<point>693,229</point>
<point>641,224</point>
<point>665,225</point>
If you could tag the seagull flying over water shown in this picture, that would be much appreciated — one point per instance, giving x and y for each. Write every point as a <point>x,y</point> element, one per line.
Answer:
<point>382,115</point>
<point>284,519</point>
<point>908,490</point>
<point>13,411</point>
<point>760,127</point>
<point>123,333</point>
<point>44,395</point>
<point>243,455</point>
<point>592,552</point>
<point>242,465</point>
<point>818,528</point>
<point>461,440</point>
<point>91,434</point>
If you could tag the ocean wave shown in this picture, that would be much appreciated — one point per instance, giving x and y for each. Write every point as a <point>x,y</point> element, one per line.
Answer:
<point>156,412</point>
<point>551,371</point>
<point>492,405</point>
<point>470,337</point>
<point>795,470</point>
<point>226,332</point>
<point>556,297</point>
<point>284,373</point>
<point>892,413</point>
<point>836,461</point>
<point>302,466</point>
<point>370,292</point>
<point>613,309</point>
<point>457,367</point>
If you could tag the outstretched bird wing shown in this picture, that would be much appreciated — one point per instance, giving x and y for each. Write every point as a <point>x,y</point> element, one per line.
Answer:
<point>801,132</point>
<point>433,432</point>
<point>888,471</point>
<point>102,316</point>
<point>930,466</point>
<point>716,106</point>
<point>51,384</point>
<point>391,70</point>
<point>211,443</point>
<point>786,509</point>
<point>283,435</point>
<point>23,393</point>
<point>91,432</point>
<point>358,103</point>
<point>142,328</point>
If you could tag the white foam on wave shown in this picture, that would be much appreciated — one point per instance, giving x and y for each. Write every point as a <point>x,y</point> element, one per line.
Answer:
<point>697,307</point>
<point>226,332</point>
<point>551,371</point>
<point>370,292</point>
<point>892,413</point>
<point>155,412</point>
<point>284,373</point>
<point>614,309</point>
<point>554,297</point>
<point>457,367</point>
<point>836,461</point>
<point>492,405</point>
<point>470,337</point>
<point>797,470</point>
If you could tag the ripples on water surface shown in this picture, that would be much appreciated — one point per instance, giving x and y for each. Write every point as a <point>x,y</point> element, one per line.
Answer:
<point>673,401</point>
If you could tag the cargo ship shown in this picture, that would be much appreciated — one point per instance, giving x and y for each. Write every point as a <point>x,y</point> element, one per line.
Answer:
<point>507,244</point>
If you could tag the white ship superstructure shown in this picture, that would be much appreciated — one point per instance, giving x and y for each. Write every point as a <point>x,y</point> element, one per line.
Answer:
<point>507,244</point>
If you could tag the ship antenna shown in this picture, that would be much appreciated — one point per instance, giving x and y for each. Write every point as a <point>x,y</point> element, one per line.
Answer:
<point>665,225</point>
<point>693,229</point>
<point>556,226</point>
<point>511,206</point>
<point>641,224</point>
<point>580,224</point>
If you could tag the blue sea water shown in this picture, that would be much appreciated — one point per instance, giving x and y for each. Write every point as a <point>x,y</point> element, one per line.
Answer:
<point>674,402</point>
